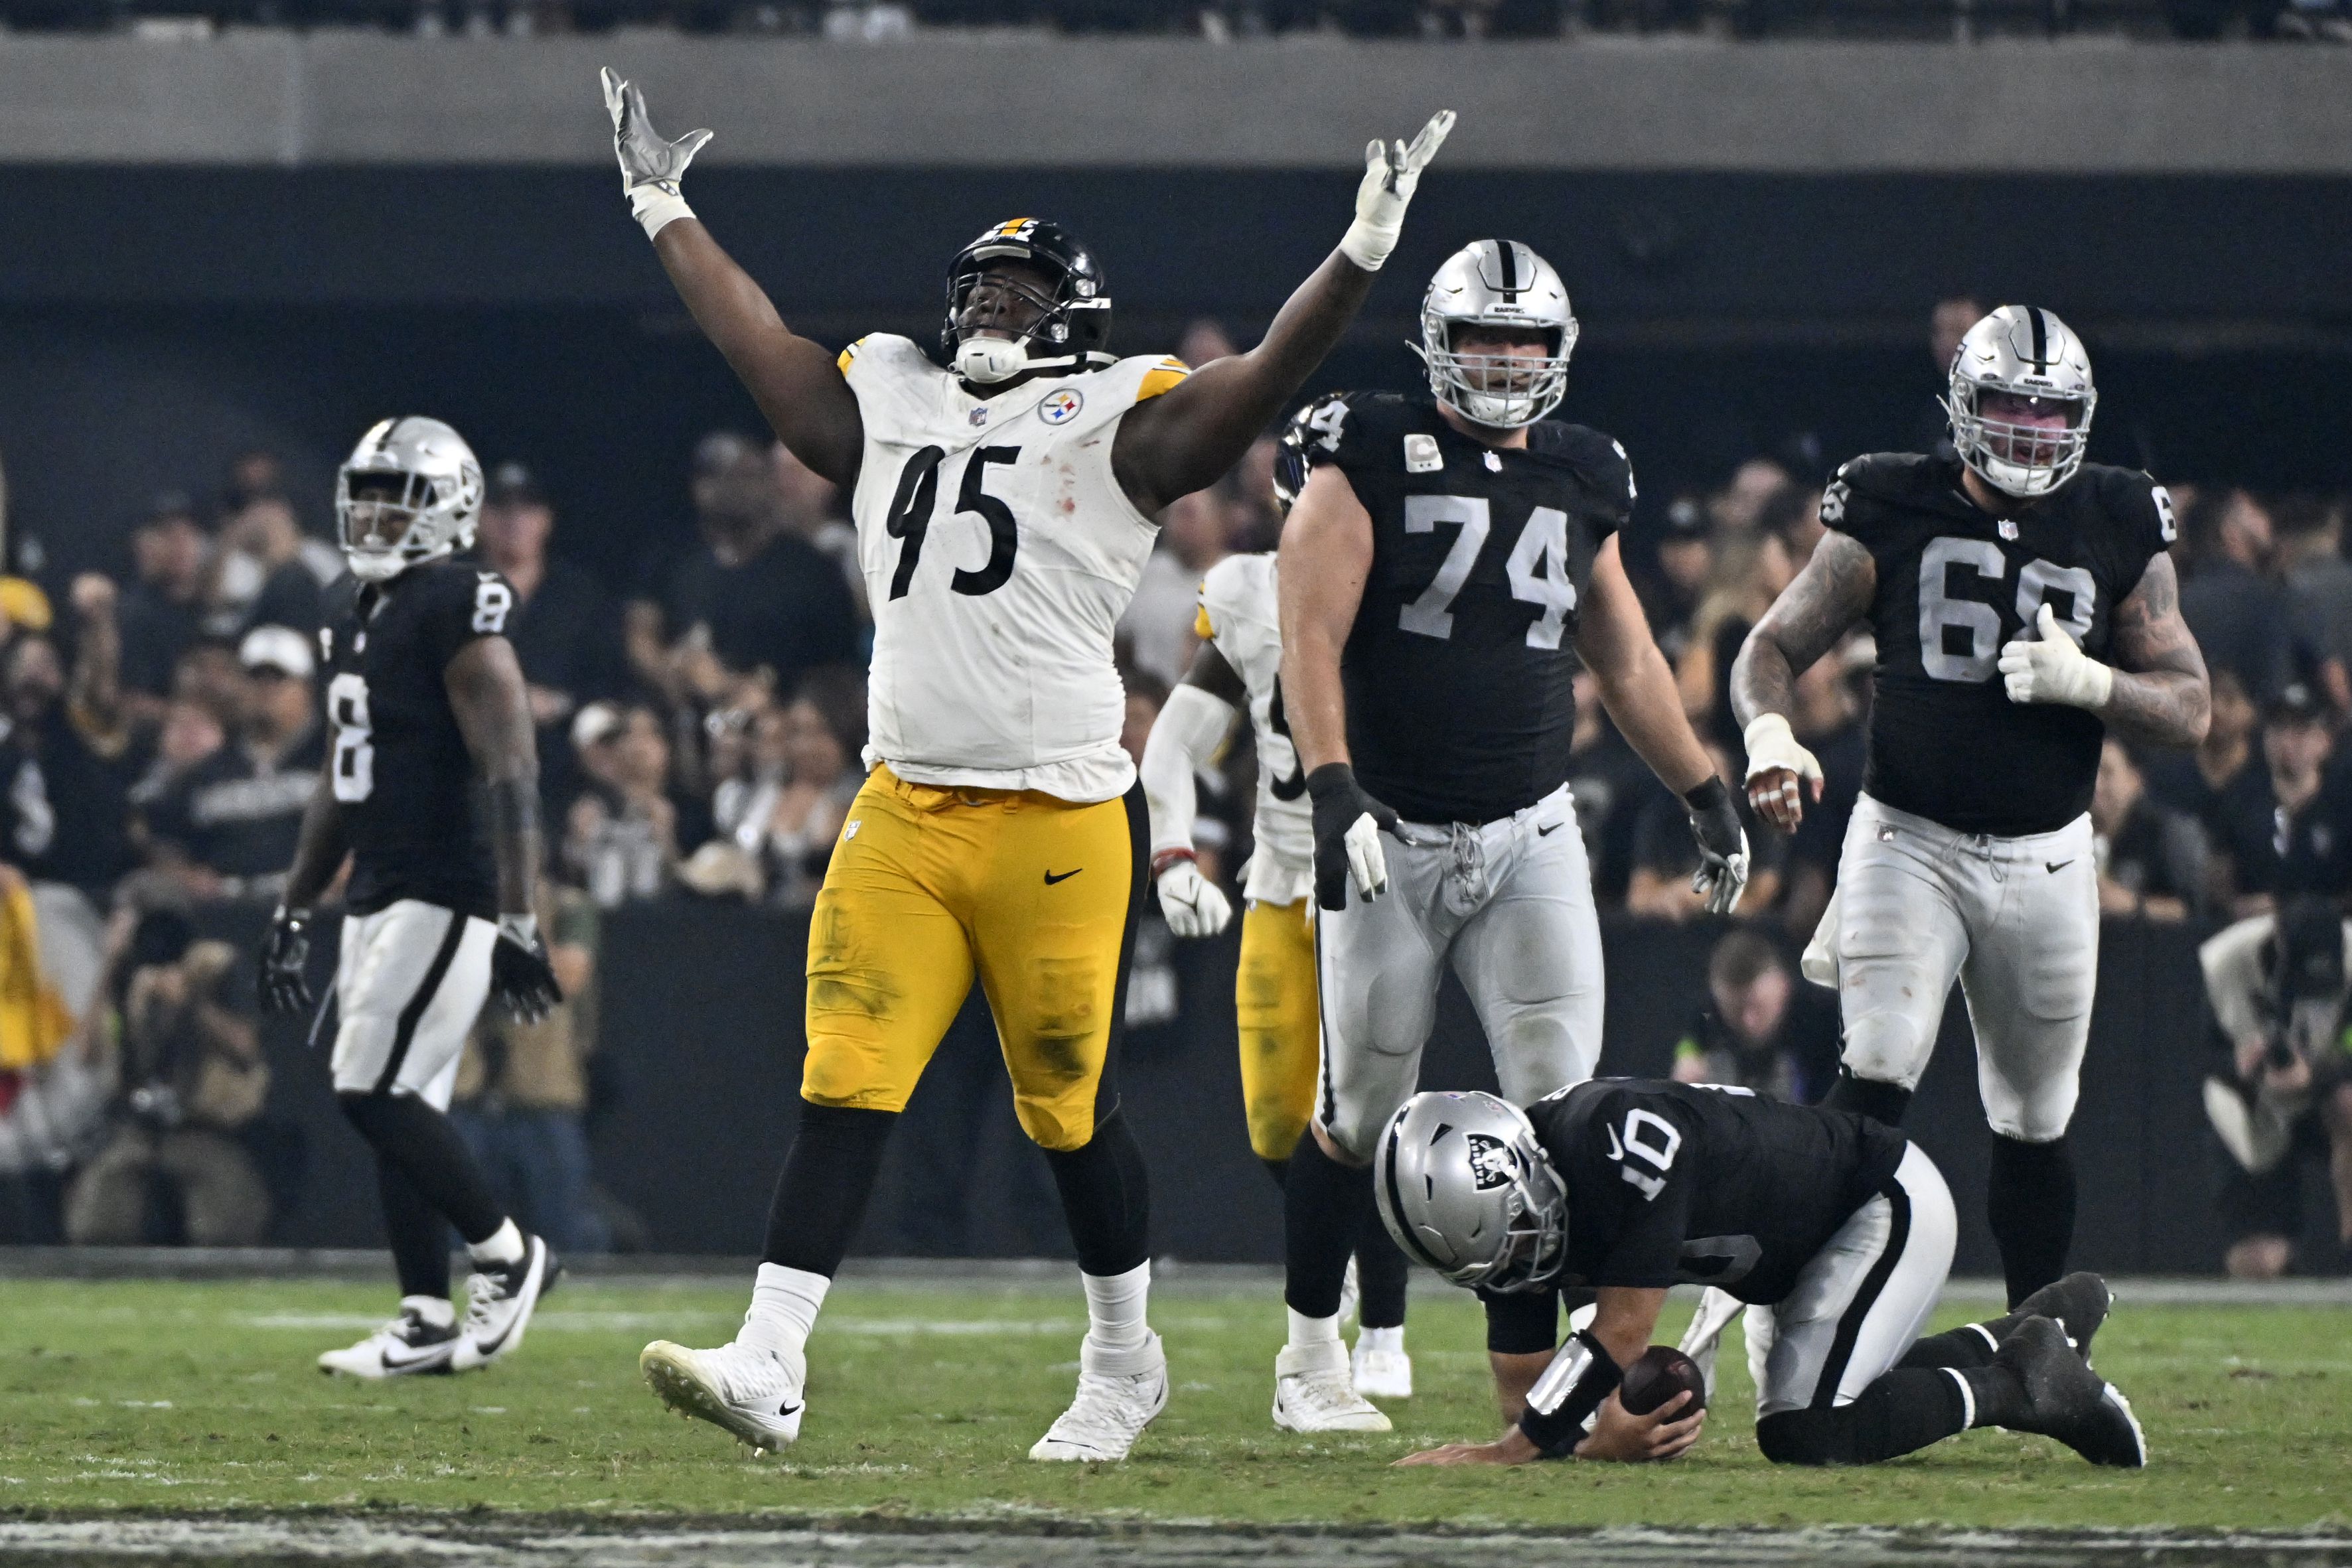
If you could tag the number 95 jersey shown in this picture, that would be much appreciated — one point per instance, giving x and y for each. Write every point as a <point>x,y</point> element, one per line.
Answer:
<point>400,768</point>
<point>1955,583</point>
<point>999,553</point>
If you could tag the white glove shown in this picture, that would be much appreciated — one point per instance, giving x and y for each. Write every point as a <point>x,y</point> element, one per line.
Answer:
<point>1771,744</point>
<point>2055,670</point>
<point>650,166</point>
<point>1367,863</point>
<point>1391,172</point>
<point>1191,904</point>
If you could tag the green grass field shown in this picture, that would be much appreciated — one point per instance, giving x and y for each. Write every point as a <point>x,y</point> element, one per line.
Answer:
<point>194,1398</point>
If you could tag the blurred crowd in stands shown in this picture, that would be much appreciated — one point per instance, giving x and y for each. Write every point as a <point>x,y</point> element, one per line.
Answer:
<point>1224,20</point>
<point>701,728</point>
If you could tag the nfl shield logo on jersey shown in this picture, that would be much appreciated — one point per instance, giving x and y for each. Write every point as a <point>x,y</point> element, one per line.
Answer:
<point>1061,407</point>
<point>2007,530</point>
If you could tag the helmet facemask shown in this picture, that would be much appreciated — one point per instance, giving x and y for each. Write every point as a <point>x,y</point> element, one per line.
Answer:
<point>1065,312</point>
<point>2025,353</point>
<point>1503,392</point>
<point>389,518</point>
<point>1536,1243</point>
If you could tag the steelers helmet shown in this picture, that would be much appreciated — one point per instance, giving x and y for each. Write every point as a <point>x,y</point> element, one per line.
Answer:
<point>1496,282</point>
<point>410,492</point>
<point>1072,326</point>
<point>1465,1186</point>
<point>2025,351</point>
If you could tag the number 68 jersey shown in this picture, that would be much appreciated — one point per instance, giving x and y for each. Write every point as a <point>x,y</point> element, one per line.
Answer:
<point>999,553</point>
<point>1954,584</point>
<point>400,770</point>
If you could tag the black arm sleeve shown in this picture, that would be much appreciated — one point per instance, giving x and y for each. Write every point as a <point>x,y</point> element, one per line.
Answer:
<point>1571,1388</point>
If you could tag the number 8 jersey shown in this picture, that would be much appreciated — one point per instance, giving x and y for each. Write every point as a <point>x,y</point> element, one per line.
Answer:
<point>998,552</point>
<point>1955,583</point>
<point>400,768</point>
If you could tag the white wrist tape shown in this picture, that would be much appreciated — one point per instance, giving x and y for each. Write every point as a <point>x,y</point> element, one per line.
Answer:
<point>657,204</point>
<point>1367,244</point>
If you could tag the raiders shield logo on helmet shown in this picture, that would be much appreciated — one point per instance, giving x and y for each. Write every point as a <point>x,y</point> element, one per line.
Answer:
<point>1492,1163</point>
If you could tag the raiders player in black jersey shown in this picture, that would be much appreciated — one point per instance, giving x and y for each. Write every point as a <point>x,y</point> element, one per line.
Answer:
<point>1447,563</point>
<point>2022,602</point>
<point>1834,1228</point>
<point>432,790</point>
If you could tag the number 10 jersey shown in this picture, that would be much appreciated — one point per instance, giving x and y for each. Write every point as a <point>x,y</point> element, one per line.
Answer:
<point>999,553</point>
<point>1955,583</point>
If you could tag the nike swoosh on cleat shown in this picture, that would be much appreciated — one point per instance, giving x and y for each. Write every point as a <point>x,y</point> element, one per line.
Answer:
<point>1051,878</point>
<point>2055,867</point>
<point>396,1361</point>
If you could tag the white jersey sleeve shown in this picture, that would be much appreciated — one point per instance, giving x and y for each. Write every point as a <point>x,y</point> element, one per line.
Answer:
<point>1241,617</point>
<point>998,551</point>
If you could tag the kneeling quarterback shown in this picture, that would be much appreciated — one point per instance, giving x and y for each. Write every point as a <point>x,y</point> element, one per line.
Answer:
<point>1835,1229</point>
<point>1004,494</point>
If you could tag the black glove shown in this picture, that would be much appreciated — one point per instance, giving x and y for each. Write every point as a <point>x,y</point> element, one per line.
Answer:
<point>522,979</point>
<point>1722,872</point>
<point>1348,825</point>
<point>285,956</point>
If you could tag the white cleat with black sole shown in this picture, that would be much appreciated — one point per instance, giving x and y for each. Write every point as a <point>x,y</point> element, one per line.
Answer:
<point>499,1300</point>
<point>1119,1395</point>
<point>755,1394</point>
<point>1315,1392</point>
<point>406,1347</point>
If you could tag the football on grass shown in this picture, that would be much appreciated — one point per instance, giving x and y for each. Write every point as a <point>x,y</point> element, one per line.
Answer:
<point>1653,1379</point>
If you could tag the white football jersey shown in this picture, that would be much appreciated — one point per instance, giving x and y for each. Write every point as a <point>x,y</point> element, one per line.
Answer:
<point>998,552</point>
<point>1241,616</point>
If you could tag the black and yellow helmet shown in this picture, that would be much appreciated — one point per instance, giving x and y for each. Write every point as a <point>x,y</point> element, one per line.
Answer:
<point>1072,324</point>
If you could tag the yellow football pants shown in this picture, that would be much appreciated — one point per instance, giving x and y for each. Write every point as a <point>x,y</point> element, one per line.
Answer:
<point>1281,1039</point>
<point>928,886</point>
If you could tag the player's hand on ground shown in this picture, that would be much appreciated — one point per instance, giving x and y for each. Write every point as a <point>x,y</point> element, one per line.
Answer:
<point>522,979</point>
<point>2053,669</point>
<point>1642,1439</point>
<point>1348,827</point>
<point>1191,904</point>
<point>285,956</point>
<point>1722,874</point>
<point>1779,771</point>
<point>1511,1448</point>
<point>1392,171</point>
<point>647,157</point>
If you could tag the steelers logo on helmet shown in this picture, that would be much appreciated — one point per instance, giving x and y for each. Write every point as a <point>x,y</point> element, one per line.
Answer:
<point>1026,295</point>
<point>1061,407</point>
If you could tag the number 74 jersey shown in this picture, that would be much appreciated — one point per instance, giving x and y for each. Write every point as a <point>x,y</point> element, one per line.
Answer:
<point>998,552</point>
<point>1954,584</point>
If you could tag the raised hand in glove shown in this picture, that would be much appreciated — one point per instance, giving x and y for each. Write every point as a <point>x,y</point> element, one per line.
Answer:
<point>1391,169</point>
<point>285,955</point>
<point>521,980</point>
<point>651,166</point>
<point>1348,827</point>
<point>1191,904</point>
<point>1722,874</point>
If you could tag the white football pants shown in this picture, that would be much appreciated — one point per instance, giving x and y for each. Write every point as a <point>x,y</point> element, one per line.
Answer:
<point>409,982</point>
<point>1509,905</point>
<point>2016,921</point>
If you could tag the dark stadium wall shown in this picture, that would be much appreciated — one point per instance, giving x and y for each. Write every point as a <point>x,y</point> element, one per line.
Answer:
<point>149,324</point>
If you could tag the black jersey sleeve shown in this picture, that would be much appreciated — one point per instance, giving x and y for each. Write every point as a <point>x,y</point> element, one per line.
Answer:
<point>1856,501</point>
<point>466,602</point>
<point>1633,1186</point>
<point>1361,434</point>
<point>2139,511</point>
<point>1601,464</point>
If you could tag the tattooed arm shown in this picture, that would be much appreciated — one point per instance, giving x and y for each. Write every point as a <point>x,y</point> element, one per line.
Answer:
<point>1831,594</point>
<point>2160,692</point>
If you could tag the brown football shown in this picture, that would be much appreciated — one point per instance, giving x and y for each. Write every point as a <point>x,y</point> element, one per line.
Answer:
<point>1661,1373</point>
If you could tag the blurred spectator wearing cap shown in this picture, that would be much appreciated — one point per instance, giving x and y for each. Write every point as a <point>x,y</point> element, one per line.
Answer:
<point>225,825</point>
<point>2287,829</point>
<point>751,596</point>
<point>164,607</point>
<point>64,751</point>
<point>1156,631</point>
<point>624,834</point>
<point>261,575</point>
<point>564,627</point>
<point>2151,858</point>
<point>2243,617</point>
<point>1761,1028</point>
<point>789,772</point>
<point>1671,588</point>
<point>188,1075</point>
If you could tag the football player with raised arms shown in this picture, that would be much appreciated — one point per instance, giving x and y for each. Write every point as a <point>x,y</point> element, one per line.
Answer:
<point>1237,670</point>
<point>1003,494</point>
<point>1450,559</point>
<point>432,791</point>
<point>2023,604</point>
<point>1834,1227</point>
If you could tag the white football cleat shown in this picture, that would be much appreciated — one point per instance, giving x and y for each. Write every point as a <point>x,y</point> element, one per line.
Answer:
<point>1314,1393</point>
<point>401,1348</point>
<point>1113,1406</point>
<point>500,1298</point>
<point>754,1394</point>
<point>1381,1372</point>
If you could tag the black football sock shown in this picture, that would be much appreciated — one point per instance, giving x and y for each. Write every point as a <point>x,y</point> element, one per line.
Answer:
<point>1323,1204</point>
<point>2029,1203</point>
<point>1901,1412</point>
<point>1278,1169</point>
<point>1521,1323</point>
<point>821,1194</point>
<point>1865,1097</point>
<point>1972,1344</point>
<point>1999,1399</point>
<point>1381,1270</point>
<point>1105,1197</point>
<point>413,1135</point>
<point>419,1236</point>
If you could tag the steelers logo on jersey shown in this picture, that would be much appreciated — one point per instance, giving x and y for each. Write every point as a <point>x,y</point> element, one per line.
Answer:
<point>1061,407</point>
